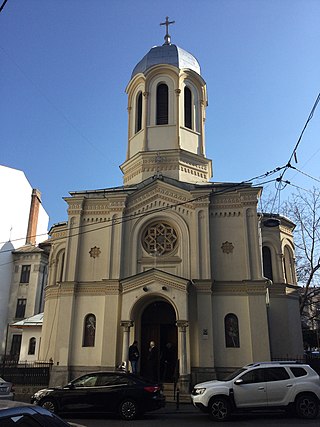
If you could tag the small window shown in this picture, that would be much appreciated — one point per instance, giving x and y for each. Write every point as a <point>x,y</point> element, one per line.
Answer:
<point>139,112</point>
<point>25,274</point>
<point>162,104</point>
<point>32,346</point>
<point>21,308</point>
<point>15,345</point>
<point>298,372</point>
<point>60,266</point>
<point>267,263</point>
<point>109,380</point>
<point>254,376</point>
<point>89,380</point>
<point>231,326</point>
<point>276,374</point>
<point>89,332</point>
<point>288,265</point>
<point>187,108</point>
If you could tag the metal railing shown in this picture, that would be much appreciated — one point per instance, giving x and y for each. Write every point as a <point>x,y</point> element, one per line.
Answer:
<point>28,373</point>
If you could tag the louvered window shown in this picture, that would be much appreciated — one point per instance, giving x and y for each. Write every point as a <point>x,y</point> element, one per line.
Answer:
<point>162,104</point>
<point>187,108</point>
<point>139,112</point>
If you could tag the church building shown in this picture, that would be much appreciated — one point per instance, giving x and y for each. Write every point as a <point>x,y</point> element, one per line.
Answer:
<point>169,256</point>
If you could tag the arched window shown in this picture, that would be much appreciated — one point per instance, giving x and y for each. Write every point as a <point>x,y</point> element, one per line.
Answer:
<point>60,266</point>
<point>231,330</point>
<point>139,112</point>
<point>288,266</point>
<point>32,346</point>
<point>89,330</point>
<point>162,104</point>
<point>267,263</point>
<point>187,108</point>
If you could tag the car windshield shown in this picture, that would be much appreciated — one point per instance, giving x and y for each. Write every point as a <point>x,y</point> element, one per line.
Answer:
<point>234,374</point>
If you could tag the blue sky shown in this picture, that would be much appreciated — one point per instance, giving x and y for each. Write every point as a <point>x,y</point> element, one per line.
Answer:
<point>65,65</point>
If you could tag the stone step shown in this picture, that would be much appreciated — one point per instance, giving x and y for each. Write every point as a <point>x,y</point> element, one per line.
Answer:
<point>172,395</point>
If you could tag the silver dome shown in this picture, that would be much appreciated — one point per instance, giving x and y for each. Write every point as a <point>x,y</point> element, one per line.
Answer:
<point>167,54</point>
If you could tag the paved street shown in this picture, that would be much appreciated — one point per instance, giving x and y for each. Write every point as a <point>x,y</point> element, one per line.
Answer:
<point>189,416</point>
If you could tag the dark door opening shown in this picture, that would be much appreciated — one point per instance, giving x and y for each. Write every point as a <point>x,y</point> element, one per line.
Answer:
<point>158,324</point>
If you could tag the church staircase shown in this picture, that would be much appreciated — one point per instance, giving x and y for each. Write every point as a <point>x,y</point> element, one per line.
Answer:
<point>173,394</point>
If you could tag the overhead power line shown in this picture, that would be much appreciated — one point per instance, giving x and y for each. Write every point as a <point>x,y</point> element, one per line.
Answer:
<point>3,5</point>
<point>127,218</point>
<point>294,152</point>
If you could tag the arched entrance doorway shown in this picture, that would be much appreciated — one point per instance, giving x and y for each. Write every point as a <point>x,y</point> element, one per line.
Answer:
<point>158,324</point>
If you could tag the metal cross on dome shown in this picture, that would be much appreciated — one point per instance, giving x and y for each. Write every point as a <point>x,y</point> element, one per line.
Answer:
<point>167,38</point>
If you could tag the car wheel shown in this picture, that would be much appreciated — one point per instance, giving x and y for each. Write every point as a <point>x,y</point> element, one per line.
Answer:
<point>219,409</point>
<point>49,404</point>
<point>128,409</point>
<point>307,406</point>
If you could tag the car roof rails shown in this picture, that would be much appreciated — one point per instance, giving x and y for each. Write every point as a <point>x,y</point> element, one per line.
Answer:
<point>275,362</point>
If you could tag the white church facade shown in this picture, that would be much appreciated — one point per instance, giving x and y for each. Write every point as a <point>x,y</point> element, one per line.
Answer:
<point>169,256</point>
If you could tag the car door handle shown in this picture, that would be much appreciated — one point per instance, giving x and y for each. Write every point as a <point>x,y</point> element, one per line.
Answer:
<point>261,388</point>
<point>289,385</point>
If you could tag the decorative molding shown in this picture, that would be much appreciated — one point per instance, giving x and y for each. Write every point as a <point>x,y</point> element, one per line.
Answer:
<point>59,235</point>
<point>244,288</point>
<point>82,289</point>
<point>154,277</point>
<point>182,325</point>
<point>126,324</point>
<point>227,247</point>
<point>226,214</point>
<point>202,287</point>
<point>95,252</point>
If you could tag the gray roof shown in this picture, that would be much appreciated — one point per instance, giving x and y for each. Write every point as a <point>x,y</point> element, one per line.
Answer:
<point>167,54</point>
<point>35,320</point>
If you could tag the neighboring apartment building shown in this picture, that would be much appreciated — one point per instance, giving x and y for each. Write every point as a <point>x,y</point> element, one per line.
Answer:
<point>23,265</point>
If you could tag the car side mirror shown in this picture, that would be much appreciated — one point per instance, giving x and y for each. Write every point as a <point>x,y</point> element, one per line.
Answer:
<point>239,381</point>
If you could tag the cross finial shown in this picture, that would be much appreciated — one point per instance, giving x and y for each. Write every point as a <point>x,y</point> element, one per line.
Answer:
<point>167,38</point>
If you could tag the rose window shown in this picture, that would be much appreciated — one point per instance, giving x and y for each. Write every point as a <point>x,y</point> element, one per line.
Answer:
<point>159,238</point>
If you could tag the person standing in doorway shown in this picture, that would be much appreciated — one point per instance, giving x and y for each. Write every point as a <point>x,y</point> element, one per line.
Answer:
<point>153,362</point>
<point>134,357</point>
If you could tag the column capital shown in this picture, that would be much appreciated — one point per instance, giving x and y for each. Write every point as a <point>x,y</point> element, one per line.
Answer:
<point>146,94</point>
<point>182,325</point>
<point>126,324</point>
<point>177,91</point>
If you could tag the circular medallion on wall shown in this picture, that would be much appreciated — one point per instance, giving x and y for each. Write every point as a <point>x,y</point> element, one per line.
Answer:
<point>159,238</point>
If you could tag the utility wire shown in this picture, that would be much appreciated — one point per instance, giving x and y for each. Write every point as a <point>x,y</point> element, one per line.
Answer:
<point>294,152</point>
<point>127,218</point>
<point>3,5</point>
<point>305,174</point>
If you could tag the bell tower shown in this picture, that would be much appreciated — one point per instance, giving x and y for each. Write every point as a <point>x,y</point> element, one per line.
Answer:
<point>167,99</point>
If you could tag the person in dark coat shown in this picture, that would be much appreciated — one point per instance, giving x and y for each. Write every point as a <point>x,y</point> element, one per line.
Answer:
<point>134,356</point>
<point>152,360</point>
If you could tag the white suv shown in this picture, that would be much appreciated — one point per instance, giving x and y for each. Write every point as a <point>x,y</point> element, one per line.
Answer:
<point>265,385</point>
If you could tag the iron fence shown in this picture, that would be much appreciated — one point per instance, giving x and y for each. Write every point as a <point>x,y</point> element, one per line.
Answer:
<point>309,359</point>
<point>29,373</point>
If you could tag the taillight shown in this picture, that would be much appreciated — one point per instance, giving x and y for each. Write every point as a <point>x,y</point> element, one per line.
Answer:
<point>152,389</point>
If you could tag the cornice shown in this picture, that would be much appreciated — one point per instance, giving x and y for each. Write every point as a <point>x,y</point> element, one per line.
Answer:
<point>203,286</point>
<point>103,288</point>
<point>240,288</point>
<point>150,277</point>
<point>151,199</point>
